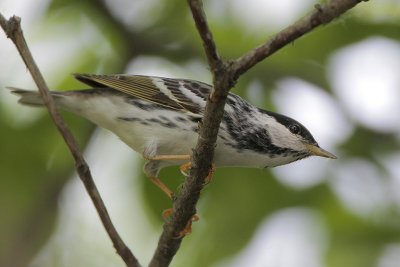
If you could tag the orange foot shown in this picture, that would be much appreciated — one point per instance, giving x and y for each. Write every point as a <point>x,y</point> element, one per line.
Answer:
<point>186,167</point>
<point>188,228</point>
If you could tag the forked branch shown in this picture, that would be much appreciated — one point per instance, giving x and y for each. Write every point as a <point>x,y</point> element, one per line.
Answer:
<point>225,75</point>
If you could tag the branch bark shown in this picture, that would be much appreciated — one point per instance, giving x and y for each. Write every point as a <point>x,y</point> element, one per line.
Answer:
<point>12,28</point>
<point>225,74</point>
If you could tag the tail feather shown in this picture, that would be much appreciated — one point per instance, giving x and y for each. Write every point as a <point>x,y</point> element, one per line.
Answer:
<point>28,97</point>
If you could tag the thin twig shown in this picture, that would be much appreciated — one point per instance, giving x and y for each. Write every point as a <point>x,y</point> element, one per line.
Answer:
<point>225,75</point>
<point>214,60</point>
<point>322,14</point>
<point>12,28</point>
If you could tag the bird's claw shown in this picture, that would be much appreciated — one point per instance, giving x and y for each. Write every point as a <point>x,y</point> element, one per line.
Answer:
<point>188,228</point>
<point>184,168</point>
<point>210,174</point>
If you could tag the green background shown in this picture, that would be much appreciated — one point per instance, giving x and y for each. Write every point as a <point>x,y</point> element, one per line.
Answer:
<point>36,169</point>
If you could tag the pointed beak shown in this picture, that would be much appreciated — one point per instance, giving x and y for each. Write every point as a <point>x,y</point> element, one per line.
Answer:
<point>317,151</point>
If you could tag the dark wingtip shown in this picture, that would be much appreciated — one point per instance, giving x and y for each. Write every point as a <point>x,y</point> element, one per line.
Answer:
<point>87,79</point>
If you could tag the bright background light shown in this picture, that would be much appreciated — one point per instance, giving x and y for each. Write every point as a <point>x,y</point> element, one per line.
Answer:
<point>365,78</point>
<point>364,85</point>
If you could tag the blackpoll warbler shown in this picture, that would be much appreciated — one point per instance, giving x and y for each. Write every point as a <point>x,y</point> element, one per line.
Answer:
<point>158,117</point>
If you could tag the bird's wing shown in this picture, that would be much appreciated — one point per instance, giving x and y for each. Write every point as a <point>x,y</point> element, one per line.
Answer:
<point>178,94</point>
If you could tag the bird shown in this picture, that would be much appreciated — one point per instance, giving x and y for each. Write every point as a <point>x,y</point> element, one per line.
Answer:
<point>158,117</point>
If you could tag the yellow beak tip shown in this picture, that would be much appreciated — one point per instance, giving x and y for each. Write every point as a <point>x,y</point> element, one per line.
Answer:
<point>331,156</point>
<point>317,151</point>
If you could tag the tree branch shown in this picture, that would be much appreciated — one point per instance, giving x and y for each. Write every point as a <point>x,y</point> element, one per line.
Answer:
<point>322,14</point>
<point>210,48</point>
<point>225,75</point>
<point>12,28</point>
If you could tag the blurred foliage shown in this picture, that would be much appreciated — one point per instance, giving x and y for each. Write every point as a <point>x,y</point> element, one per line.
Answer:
<point>35,164</point>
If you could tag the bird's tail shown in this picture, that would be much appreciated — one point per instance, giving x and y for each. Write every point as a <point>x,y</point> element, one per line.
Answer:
<point>31,98</point>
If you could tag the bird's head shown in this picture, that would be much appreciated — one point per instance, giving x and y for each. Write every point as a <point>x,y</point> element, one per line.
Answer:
<point>291,139</point>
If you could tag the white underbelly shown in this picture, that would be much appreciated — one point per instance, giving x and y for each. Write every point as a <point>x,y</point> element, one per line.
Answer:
<point>166,141</point>
<point>170,130</point>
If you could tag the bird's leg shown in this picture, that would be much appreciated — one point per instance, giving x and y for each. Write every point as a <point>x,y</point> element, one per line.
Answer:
<point>170,157</point>
<point>162,186</point>
<point>152,168</point>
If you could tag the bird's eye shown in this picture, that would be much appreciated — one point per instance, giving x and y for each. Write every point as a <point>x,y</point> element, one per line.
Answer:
<point>294,128</point>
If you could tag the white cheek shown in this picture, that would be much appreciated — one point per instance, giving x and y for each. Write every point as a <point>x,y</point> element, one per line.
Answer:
<point>279,134</point>
<point>282,137</point>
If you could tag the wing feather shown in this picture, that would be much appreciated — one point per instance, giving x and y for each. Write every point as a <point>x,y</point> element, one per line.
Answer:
<point>178,94</point>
